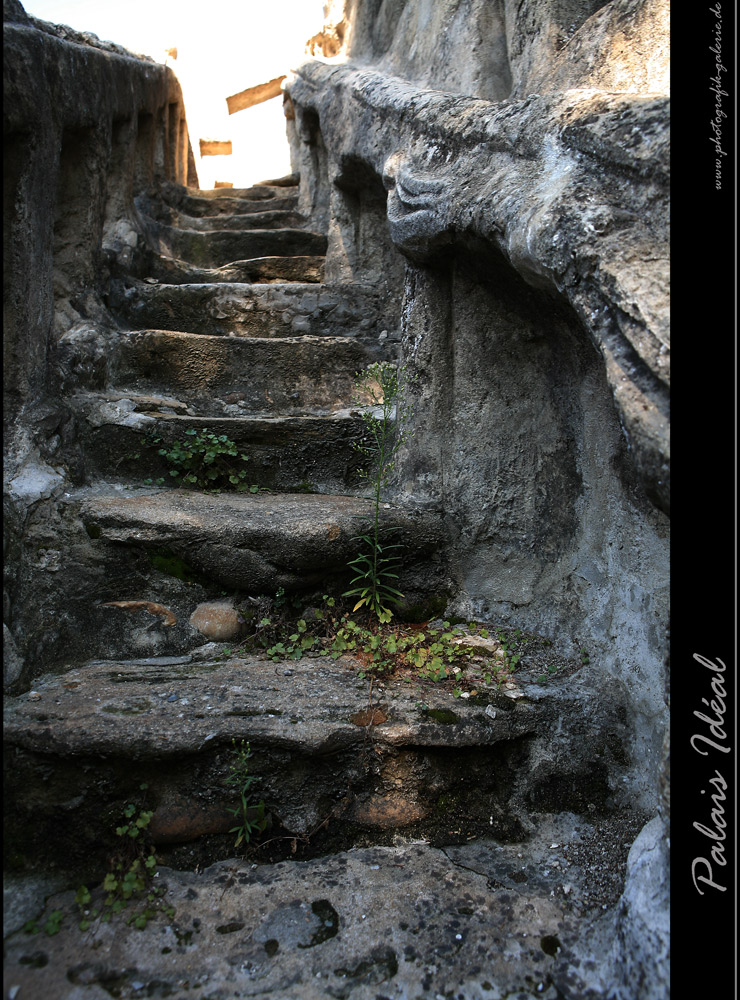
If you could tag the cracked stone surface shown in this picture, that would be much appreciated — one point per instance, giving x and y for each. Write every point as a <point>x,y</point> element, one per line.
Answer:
<point>419,760</point>
<point>404,921</point>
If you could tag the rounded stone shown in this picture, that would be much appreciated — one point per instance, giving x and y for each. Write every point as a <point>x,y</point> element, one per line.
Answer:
<point>217,620</point>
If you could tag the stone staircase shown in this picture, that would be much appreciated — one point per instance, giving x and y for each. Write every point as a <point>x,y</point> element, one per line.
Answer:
<point>225,324</point>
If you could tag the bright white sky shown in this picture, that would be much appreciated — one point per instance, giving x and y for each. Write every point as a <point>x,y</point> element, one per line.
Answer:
<point>223,46</point>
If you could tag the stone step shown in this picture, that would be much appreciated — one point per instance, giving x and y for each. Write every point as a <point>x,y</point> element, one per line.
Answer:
<point>255,191</point>
<point>271,219</point>
<point>229,200</point>
<point>266,375</point>
<point>260,270</point>
<point>257,543</point>
<point>231,203</point>
<point>473,921</point>
<point>414,759</point>
<point>164,551</point>
<point>219,247</point>
<point>274,310</point>
<point>288,453</point>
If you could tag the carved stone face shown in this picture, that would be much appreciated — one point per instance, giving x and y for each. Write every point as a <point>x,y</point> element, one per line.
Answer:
<point>415,207</point>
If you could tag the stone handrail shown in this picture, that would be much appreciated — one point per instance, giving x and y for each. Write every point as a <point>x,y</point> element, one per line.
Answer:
<point>506,173</point>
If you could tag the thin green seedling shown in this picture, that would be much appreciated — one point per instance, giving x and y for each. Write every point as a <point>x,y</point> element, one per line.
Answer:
<point>380,388</point>
<point>250,815</point>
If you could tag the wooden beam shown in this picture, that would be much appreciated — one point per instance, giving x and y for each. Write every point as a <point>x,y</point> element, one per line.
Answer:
<point>215,147</point>
<point>254,95</point>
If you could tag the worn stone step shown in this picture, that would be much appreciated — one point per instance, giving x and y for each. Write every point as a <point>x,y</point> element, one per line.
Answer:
<point>272,189</point>
<point>198,202</point>
<point>408,921</point>
<point>264,375</point>
<point>301,542</point>
<point>276,218</point>
<point>288,454</point>
<point>257,543</point>
<point>238,202</point>
<point>260,270</point>
<point>417,759</point>
<point>275,310</point>
<point>232,202</point>
<point>219,247</point>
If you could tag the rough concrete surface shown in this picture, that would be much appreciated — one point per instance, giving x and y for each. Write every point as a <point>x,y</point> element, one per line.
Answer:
<point>477,921</point>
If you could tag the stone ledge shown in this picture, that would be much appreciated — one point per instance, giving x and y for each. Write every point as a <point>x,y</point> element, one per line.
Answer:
<point>136,709</point>
<point>257,542</point>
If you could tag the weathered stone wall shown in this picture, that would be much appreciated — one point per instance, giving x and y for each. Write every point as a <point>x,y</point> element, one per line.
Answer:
<point>522,240</point>
<point>82,124</point>
<point>86,125</point>
<point>504,50</point>
<point>524,151</point>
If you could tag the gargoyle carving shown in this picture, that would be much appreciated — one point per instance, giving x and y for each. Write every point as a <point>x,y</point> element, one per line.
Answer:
<point>417,228</point>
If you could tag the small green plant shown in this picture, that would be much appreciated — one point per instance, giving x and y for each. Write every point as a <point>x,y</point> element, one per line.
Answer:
<point>206,460</point>
<point>51,926</point>
<point>436,652</point>
<point>511,645</point>
<point>380,387</point>
<point>130,879</point>
<point>551,669</point>
<point>281,637</point>
<point>250,815</point>
<point>283,600</point>
<point>297,643</point>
